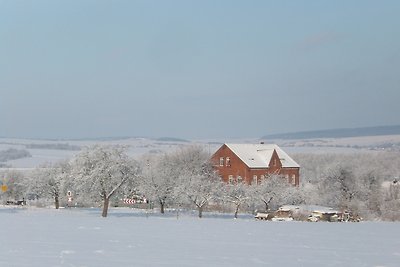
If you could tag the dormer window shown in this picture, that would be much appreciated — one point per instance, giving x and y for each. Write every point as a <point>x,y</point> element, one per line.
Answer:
<point>221,161</point>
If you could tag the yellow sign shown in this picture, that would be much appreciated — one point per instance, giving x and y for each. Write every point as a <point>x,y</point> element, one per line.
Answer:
<point>4,188</point>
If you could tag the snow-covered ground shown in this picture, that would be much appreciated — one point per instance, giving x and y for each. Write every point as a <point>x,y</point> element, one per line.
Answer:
<point>80,237</point>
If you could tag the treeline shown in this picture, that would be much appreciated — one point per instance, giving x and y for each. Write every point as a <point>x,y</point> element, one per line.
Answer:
<point>58,146</point>
<point>365,183</point>
<point>12,153</point>
<point>184,179</point>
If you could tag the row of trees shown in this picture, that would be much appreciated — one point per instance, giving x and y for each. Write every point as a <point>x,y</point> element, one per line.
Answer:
<point>365,183</point>
<point>185,178</point>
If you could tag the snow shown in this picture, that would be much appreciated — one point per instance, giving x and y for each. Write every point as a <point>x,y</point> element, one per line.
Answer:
<point>309,208</point>
<point>140,146</point>
<point>136,148</point>
<point>80,237</point>
<point>259,155</point>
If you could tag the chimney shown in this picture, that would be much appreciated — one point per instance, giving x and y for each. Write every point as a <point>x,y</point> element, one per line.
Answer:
<point>262,142</point>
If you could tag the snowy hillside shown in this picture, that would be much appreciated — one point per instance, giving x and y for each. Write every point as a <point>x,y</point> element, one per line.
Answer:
<point>43,151</point>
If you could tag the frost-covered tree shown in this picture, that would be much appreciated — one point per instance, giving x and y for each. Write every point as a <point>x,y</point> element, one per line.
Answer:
<point>159,179</point>
<point>197,181</point>
<point>340,186</point>
<point>200,189</point>
<point>350,181</point>
<point>100,171</point>
<point>49,180</point>
<point>391,200</point>
<point>273,189</point>
<point>237,194</point>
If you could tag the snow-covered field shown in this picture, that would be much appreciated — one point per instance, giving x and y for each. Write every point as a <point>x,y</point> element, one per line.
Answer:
<point>80,237</point>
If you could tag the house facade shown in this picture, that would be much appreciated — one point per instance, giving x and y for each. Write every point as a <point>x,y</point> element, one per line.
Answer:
<point>251,163</point>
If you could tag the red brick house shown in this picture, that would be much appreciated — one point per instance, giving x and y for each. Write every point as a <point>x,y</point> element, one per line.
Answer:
<point>250,163</point>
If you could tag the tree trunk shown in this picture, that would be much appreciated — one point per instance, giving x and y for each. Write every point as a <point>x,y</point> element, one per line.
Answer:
<point>266,202</point>
<point>200,211</point>
<point>105,207</point>
<point>162,207</point>
<point>236,211</point>
<point>56,202</point>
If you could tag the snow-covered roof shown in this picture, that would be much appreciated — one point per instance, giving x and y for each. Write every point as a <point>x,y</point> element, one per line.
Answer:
<point>259,155</point>
<point>309,208</point>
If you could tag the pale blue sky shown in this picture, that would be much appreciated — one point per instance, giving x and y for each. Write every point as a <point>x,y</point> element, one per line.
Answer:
<point>196,69</point>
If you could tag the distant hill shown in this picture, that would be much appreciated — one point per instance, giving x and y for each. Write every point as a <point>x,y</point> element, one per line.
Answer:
<point>172,139</point>
<point>339,133</point>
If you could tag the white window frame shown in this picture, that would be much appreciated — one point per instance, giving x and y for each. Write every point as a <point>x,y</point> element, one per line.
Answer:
<point>230,179</point>
<point>228,161</point>
<point>221,161</point>
<point>255,179</point>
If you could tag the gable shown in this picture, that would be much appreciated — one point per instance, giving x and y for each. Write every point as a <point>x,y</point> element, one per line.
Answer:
<point>275,161</point>
<point>225,152</point>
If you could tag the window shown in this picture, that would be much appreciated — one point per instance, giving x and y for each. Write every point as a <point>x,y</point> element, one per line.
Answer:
<point>274,162</point>
<point>221,161</point>
<point>262,177</point>
<point>228,161</point>
<point>255,180</point>
<point>287,178</point>
<point>239,179</point>
<point>230,179</point>
<point>293,179</point>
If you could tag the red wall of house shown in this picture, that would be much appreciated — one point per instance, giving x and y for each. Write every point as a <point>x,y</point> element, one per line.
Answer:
<point>238,168</point>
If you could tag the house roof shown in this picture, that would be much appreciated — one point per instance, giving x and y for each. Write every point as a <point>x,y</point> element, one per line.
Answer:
<point>259,155</point>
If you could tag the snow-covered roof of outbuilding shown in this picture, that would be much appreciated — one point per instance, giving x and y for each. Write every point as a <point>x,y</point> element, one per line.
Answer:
<point>259,155</point>
<point>309,208</point>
